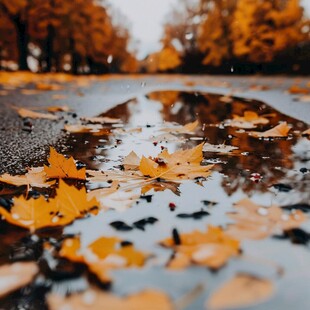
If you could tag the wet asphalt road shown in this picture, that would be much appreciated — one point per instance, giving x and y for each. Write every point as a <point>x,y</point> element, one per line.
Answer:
<point>21,147</point>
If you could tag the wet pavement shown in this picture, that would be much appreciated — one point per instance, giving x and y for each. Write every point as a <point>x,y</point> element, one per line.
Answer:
<point>269,171</point>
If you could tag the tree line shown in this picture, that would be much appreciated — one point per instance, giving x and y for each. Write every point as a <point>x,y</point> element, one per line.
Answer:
<point>77,36</point>
<point>244,36</point>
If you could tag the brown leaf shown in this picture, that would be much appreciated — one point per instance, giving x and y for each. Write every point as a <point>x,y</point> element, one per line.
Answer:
<point>243,290</point>
<point>95,299</point>
<point>253,221</point>
<point>279,131</point>
<point>16,276</point>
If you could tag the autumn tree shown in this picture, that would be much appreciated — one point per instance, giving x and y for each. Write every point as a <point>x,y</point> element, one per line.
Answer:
<point>262,29</point>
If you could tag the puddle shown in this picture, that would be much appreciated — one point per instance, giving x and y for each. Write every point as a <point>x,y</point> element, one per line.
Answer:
<point>252,172</point>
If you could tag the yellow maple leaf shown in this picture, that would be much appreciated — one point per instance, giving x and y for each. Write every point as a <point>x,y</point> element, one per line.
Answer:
<point>212,248</point>
<point>68,205</point>
<point>63,168</point>
<point>179,165</point>
<point>280,131</point>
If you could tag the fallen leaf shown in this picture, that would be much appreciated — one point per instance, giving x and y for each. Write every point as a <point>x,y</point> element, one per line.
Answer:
<point>33,214</point>
<point>220,148</point>
<point>63,168</point>
<point>295,89</point>
<point>47,86</point>
<point>179,165</point>
<point>103,255</point>
<point>35,177</point>
<point>114,175</point>
<point>95,299</point>
<point>25,113</point>
<point>279,131</point>
<point>244,290</point>
<point>63,108</point>
<point>253,221</point>
<point>186,129</point>
<point>29,92</point>
<point>131,161</point>
<point>306,132</point>
<point>101,120</point>
<point>249,120</point>
<point>167,137</point>
<point>16,276</point>
<point>212,248</point>
<point>161,186</point>
<point>94,129</point>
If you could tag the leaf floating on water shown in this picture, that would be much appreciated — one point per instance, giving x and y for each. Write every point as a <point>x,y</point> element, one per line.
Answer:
<point>33,214</point>
<point>95,299</point>
<point>94,129</point>
<point>103,255</point>
<point>176,166</point>
<point>295,89</point>
<point>243,290</point>
<point>25,113</point>
<point>35,177</point>
<point>131,161</point>
<point>249,120</point>
<point>253,221</point>
<point>220,148</point>
<point>63,168</point>
<point>16,276</point>
<point>186,129</point>
<point>280,131</point>
<point>101,120</point>
<point>160,186</point>
<point>212,248</point>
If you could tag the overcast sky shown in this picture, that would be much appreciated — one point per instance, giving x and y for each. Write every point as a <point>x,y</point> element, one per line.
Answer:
<point>146,18</point>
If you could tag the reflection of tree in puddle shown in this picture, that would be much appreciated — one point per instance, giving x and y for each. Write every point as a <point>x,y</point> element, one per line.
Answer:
<point>272,159</point>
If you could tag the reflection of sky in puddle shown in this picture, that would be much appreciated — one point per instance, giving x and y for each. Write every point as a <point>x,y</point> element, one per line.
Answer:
<point>277,161</point>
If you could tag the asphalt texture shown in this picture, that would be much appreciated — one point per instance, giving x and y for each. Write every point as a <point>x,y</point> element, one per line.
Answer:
<point>25,142</point>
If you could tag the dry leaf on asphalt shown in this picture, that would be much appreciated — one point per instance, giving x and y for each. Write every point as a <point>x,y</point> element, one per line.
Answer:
<point>97,300</point>
<point>211,248</point>
<point>176,166</point>
<point>101,120</point>
<point>61,167</point>
<point>186,129</point>
<point>253,221</point>
<point>103,255</point>
<point>33,214</point>
<point>249,120</point>
<point>60,108</point>
<point>16,276</point>
<point>280,131</point>
<point>244,290</point>
<point>35,177</point>
<point>220,148</point>
<point>25,113</point>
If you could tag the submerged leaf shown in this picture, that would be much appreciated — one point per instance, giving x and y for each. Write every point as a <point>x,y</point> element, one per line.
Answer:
<point>243,290</point>
<point>95,299</point>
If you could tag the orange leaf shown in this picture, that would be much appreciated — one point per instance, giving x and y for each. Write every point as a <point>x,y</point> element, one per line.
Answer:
<point>31,114</point>
<point>279,131</point>
<point>179,165</point>
<point>96,300</point>
<point>211,248</point>
<point>241,291</point>
<point>68,205</point>
<point>15,276</point>
<point>63,168</point>
<point>249,120</point>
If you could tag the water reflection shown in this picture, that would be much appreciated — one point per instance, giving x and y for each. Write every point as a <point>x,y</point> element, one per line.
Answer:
<point>273,159</point>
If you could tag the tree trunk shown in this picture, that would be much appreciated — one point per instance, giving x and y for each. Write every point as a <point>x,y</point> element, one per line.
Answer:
<point>22,43</point>
<point>50,48</point>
